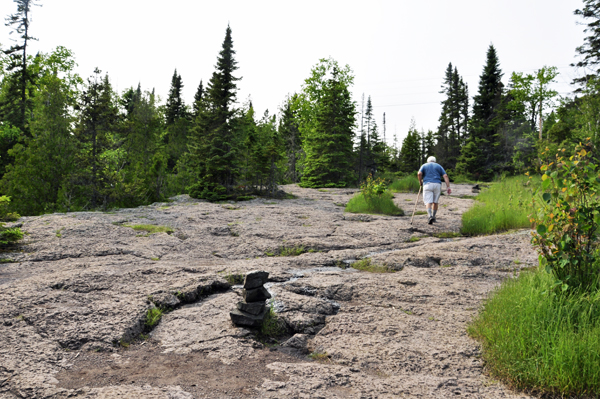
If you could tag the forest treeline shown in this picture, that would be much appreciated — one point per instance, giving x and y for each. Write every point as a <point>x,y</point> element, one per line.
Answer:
<point>68,143</point>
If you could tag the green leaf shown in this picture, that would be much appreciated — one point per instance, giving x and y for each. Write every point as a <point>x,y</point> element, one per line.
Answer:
<point>547,197</point>
<point>541,229</point>
<point>546,184</point>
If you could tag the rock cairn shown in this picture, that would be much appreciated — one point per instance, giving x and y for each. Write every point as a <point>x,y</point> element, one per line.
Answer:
<point>252,310</point>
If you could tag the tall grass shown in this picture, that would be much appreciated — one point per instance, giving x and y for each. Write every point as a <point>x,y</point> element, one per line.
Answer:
<point>505,205</point>
<point>405,184</point>
<point>375,204</point>
<point>539,341</point>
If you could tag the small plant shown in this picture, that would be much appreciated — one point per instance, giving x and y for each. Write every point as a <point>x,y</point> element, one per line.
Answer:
<point>234,233</point>
<point>567,218</point>
<point>367,265</point>
<point>124,343</point>
<point>321,357</point>
<point>150,228</point>
<point>58,234</point>
<point>234,279</point>
<point>272,327</point>
<point>155,259</point>
<point>153,316</point>
<point>414,239</point>
<point>292,251</point>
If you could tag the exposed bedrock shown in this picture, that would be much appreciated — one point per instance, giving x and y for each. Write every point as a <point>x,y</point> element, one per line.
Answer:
<point>76,296</point>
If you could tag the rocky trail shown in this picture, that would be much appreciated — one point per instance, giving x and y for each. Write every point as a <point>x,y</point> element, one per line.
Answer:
<point>74,298</point>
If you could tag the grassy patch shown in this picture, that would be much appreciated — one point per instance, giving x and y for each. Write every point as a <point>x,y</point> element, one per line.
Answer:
<point>289,251</point>
<point>343,204</point>
<point>234,279</point>
<point>405,185</point>
<point>153,316</point>
<point>539,341</point>
<point>271,327</point>
<point>150,228</point>
<point>367,265</point>
<point>413,239</point>
<point>417,213</point>
<point>504,206</point>
<point>383,205</point>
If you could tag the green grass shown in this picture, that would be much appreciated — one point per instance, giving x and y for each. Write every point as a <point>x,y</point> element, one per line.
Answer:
<point>234,279</point>
<point>321,357</point>
<point>271,327</point>
<point>405,184</point>
<point>505,205</point>
<point>383,205</point>
<point>289,251</point>
<point>417,213</point>
<point>413,239</point>
<point>150,228</point>
<point>366,265</point>
<point>447,234</point>
<point>537,341</point>
<point>153,316</point>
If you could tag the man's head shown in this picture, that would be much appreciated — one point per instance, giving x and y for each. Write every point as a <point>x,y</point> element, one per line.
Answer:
<point>431,159</point>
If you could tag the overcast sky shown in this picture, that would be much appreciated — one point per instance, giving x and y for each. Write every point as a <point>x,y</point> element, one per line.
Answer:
<point>398,49</point>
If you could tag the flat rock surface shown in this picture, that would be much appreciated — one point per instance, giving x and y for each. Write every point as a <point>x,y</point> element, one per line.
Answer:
<point>75,295</point>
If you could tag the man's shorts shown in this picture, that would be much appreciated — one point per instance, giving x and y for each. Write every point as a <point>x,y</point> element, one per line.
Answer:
<point>431,193</point>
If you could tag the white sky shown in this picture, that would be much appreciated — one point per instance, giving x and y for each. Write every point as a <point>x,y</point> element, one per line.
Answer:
<point>398,49</point>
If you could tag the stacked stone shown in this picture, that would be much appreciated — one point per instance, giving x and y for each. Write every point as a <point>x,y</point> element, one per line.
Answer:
<point>252,310</point>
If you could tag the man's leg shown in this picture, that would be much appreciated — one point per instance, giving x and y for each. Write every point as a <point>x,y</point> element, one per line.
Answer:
<point>434,208</point>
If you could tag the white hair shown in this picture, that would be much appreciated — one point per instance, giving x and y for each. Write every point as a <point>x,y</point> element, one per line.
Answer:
<point>431,159</point>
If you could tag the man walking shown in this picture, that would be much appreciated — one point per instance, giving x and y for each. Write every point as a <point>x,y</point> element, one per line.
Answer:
<point>430,177</point>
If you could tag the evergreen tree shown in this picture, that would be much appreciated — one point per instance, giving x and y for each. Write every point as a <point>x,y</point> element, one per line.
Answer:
<point>487,120</point>
<point>427,145</point>
<point>328,118</point>
<point>290,134</point>
<point>213,149</point>
<point>198,100</point>
<point>410,153</point>
<point>590,50</point>
<point>177,123</point>
<point>96,130</point>
<point>15,106</point>
<point>453,120</point>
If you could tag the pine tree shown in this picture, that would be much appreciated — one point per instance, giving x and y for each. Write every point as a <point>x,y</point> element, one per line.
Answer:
<point>177,123</point>
<point>198,100</point>
<point>486,122</point>
<point>95,133</point>
<point>290,134</point>
<point>15,107</point>
<point>453,119</point>
<point>410,153</point>
<point>590,50</point>
<point>213,147</point>
<point>328,136</point>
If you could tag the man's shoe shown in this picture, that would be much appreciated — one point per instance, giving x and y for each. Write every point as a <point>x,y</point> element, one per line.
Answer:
<point>430,219</point>
<point>434,219</point>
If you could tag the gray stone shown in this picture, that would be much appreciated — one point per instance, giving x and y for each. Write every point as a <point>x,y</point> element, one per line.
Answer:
<point>252,308</point>
<point>240,318</point>
<point>255,279</point>
<point>256,295</point>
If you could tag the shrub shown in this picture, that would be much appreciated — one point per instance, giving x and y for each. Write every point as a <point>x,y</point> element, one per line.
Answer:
<point>536,340</point>
<point>503,206</point>
<point>153,316</point>
<point>567,217</point>
<point>405,184</point>
<point>382,204</point>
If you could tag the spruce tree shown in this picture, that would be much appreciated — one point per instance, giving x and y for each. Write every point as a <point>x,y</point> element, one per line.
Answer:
<point>290,134</point>
<point>213,147</point>
<point>410,153</point>
<point>328,137</point>
<point>590,49</point>
<point>486,122</point>
<point>95,132</point>
<point>198,100</point>
<point>177,122</point>
<point>453,119</point>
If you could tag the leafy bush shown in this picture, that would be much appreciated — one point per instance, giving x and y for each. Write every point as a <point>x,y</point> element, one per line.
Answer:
<point>405,184</point>
<point>503,206</point>
<point>536,340</point>
<point>567,219</point>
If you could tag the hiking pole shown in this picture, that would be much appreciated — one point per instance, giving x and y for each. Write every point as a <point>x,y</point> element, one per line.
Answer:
<point>416,202</point>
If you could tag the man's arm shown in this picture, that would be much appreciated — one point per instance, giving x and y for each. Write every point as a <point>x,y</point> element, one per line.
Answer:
<point>447,183</point>
<point>420,177</point>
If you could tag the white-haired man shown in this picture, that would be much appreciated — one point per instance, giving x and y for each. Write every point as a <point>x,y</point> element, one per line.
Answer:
<point>430,177</point>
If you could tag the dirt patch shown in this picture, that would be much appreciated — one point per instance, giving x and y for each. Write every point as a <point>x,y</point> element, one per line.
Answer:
<point>144,364</point>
